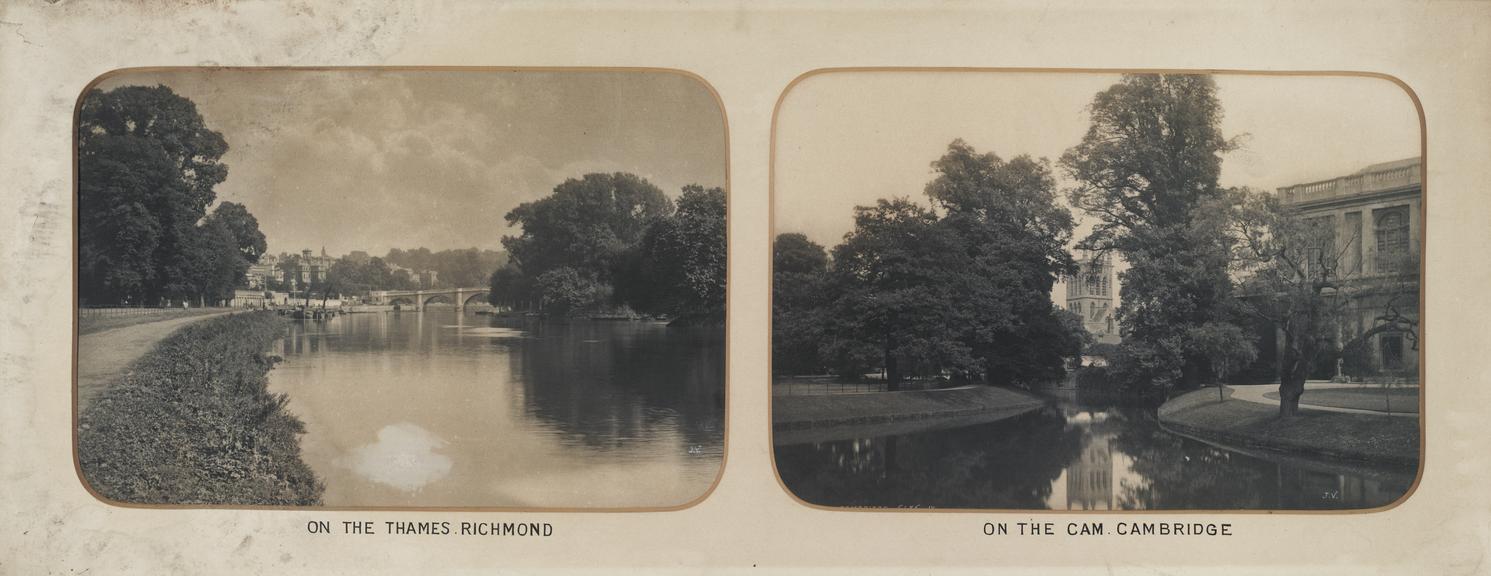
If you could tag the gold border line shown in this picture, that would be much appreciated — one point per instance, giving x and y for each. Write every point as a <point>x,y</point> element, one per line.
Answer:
<point>1423,265</point>
<point>729,194</point>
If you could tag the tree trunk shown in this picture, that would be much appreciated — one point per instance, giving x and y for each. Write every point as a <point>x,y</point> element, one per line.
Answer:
<point>892,368</point>
<point>1290,389</point>
<point>1294,367</point>
<point>892,373</point>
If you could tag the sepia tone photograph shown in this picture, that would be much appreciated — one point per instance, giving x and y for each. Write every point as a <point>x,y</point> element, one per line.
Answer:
<point>1097,291</point>
<point>423,288</point>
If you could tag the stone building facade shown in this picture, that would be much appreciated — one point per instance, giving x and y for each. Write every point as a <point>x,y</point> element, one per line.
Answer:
<point>1377,215</point>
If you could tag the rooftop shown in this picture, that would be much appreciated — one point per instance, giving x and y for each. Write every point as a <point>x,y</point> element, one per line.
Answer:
<point>1380,177</point>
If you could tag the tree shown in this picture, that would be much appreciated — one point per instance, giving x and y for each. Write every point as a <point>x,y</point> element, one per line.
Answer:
<point>244,228</point>
<point>678,267</point>
<point>170,123</point>
<point>123,183</point>
<point>1013,235</point>
<point>509,288</point>
<point>1298,278</point>
<point>147,166</point>
<point>591,226</point>
<point>1147,170</point>
<point>798,290</point>
<point>586,224</point>
<point>566,290</point>
<point>895,297</point>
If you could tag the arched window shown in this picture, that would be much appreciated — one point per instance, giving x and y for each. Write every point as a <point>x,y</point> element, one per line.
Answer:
<point>1392,236</point>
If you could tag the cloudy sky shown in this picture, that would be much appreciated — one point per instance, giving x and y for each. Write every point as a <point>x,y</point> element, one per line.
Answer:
<point>846,139</point>
<point>374,160</point>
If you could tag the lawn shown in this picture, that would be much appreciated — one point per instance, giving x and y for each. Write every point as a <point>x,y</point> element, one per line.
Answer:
<point>1367,438</point>
<point>1404,399</point>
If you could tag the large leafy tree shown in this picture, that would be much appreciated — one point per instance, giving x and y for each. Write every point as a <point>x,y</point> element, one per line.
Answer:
<point>897,303</point>
<point>1147,171</point>
<point>244,228</point>
<point>586,224</point>
<point>147,166</point>
<point>1298,278</point>
<point>678,267</point>
<point>798,297</point>
<point>170,123</point>
<point>1014,236</point>
<point>588,227</point>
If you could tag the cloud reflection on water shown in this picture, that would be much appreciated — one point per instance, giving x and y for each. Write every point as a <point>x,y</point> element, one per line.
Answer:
<point>404,457</point>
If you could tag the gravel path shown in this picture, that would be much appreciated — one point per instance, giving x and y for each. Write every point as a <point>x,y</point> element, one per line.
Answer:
<point>104,356</point>
<point>1260,393</point>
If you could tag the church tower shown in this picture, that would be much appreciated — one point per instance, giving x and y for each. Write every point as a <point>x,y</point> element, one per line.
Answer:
<point>1090,295</point>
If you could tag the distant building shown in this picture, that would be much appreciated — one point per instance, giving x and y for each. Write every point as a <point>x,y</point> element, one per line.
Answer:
<point>428,279</point>
<point>261,272</point>
<point>248,299</point>
<point>1089,294</point>
<point>1377,213</point>
<point>308,270</point>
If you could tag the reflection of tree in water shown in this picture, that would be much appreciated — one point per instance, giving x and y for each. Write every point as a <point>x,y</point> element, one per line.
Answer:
<point>1179,473</point>
<point>1007,464</point>
<point>1173,472</point>
<point>607,383</point>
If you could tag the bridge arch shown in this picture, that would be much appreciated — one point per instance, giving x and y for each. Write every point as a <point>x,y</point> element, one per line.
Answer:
<point>401,300</point>
<point>438,298</point>
<point>477,298</point>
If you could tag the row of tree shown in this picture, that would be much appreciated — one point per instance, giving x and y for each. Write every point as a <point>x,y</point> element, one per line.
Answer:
<point>147,166</point>
<point>461,267</point>
<point>358,273</point>
<point>604,242</point>
<point>963,289</point>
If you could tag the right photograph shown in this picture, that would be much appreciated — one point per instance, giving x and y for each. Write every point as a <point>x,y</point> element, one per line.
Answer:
<point>1073,290</point>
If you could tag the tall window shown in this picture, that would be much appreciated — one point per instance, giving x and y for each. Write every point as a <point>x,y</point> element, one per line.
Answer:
<point>1391,226</point>
<point>1392,350</point>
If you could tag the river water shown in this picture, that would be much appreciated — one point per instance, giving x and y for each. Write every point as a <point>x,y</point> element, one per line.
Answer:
<point>1067,456</point>
<point>447,409</point>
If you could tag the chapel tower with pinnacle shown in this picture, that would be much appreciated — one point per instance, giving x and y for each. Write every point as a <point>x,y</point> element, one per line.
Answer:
<point>1090,293</point>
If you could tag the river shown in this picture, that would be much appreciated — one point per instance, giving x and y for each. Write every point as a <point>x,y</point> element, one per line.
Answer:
<point>445,409</point>
<point>1070,456</point>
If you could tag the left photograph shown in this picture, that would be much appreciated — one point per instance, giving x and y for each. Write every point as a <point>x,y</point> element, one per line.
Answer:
<point>401,288</point>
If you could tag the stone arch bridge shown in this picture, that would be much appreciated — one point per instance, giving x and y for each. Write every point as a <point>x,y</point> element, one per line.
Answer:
<point>461,297</point>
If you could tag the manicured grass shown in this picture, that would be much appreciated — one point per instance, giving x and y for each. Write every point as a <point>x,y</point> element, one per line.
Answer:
<point>193,422</point>
<point>1404,400</point>
<point>1368,438</point>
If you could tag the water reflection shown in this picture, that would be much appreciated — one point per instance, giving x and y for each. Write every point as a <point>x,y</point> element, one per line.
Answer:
<point>1067,456</point>
<point>444,409</point>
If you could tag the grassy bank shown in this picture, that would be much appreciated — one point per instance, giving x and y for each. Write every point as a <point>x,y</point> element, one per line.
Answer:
<point>192,422</point>
<point>1364,438</point>
<point>820,418</point>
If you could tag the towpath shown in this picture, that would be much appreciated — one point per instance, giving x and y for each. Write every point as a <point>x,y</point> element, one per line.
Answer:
<point>104,356</point>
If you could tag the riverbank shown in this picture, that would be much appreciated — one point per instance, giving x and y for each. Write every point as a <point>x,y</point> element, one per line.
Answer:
<point>822,418</point>
<point>105,355</point>
<point>1372,439</point>
<point>192,422</point>
<point>96,320</point>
